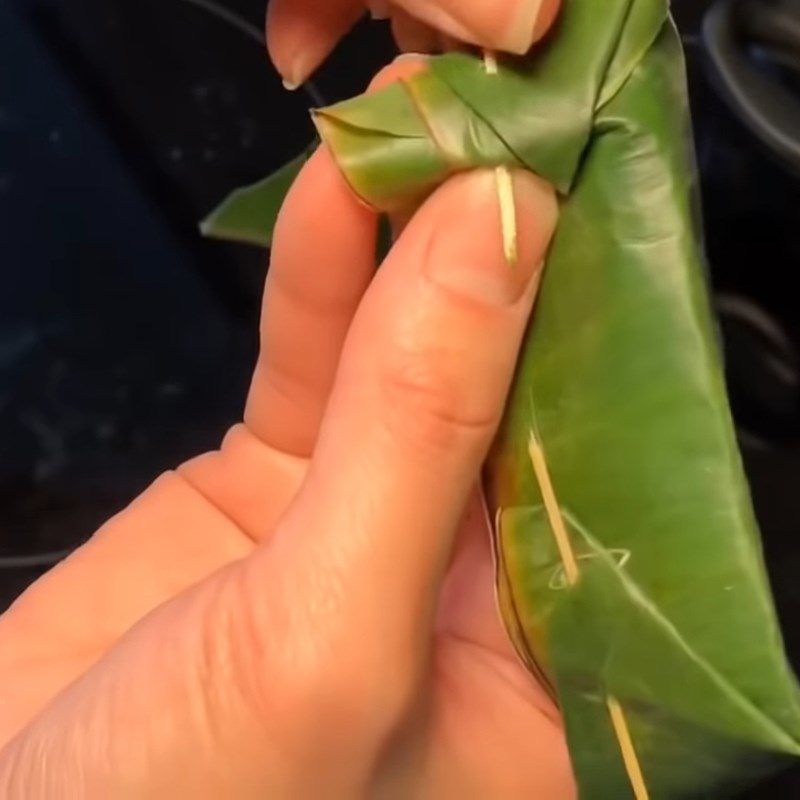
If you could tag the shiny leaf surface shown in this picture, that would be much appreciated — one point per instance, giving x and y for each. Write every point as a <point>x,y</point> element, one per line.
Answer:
<point>620,385</point>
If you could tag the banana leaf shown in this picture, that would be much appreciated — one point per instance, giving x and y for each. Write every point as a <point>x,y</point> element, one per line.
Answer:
<point>249,214</point>
<point>630,572</point>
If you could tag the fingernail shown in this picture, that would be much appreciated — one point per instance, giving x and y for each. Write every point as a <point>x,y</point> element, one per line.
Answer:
<point>379,9</point>
<point>299,69</point>
<point>520,33</point>
<point>401,57</point>
<point>492,235</point>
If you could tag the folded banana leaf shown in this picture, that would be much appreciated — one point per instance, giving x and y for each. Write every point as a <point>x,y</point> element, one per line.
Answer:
<point>630,572</point>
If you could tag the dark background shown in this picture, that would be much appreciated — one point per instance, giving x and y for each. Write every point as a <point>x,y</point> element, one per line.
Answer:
<point>126,340</point>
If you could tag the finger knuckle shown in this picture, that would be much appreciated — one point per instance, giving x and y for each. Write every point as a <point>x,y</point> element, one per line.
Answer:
<point>428,398</point>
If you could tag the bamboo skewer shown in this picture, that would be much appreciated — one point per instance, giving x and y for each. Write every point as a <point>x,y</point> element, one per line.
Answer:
<point>508,214</point>
<point>508,221</point>
<point>553,511</point>
<point>572,572</point>
<point>505,188</point>
<point>629,757</point>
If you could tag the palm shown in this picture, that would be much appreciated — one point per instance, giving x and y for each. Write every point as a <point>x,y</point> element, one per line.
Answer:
<point>321,387</point>
<point>487,711</point>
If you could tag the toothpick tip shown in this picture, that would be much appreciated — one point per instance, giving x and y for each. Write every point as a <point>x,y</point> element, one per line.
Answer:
<point>627,748</point>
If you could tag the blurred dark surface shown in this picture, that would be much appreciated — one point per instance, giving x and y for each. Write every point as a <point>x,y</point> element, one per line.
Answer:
<point>126,340</point>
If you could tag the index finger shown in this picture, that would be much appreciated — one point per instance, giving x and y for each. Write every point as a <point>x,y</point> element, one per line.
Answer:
<point>301,33</point>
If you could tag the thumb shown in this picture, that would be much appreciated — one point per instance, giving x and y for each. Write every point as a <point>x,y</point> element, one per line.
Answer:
<point>512,25</point>
<point>270,677</point>
<point>419,394</point>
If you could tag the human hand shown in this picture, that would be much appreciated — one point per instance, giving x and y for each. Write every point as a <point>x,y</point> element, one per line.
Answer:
<point>309,611</point>
<point>301,33</point>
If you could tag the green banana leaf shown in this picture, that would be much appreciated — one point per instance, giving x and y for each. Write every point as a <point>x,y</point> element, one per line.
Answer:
<point>250,213</point>
<point>620,390</point>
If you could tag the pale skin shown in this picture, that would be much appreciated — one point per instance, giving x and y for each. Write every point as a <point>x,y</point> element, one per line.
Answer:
<point>309,610</point>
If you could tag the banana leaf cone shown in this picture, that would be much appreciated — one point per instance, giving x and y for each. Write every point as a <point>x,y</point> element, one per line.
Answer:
<point>630,572</point>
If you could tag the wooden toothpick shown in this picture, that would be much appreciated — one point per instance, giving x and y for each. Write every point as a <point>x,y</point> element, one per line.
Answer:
<point>572,572</point>
<point>508,214</point>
